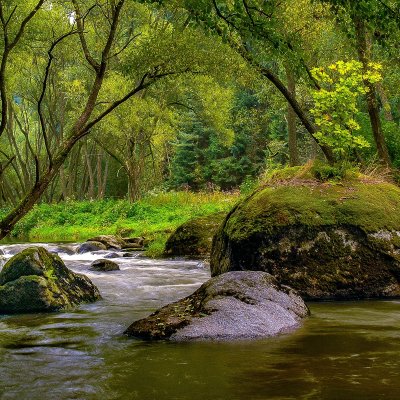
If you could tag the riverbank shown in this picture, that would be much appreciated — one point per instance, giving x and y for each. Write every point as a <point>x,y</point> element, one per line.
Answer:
<point>154,217</point>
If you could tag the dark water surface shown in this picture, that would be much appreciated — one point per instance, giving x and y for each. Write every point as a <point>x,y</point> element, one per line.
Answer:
<point>343,351</point>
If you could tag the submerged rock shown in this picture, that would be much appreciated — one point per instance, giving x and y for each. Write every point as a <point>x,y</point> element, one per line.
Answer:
<point>235,305</point>
<point>36,280</point>
<point>90,246</point>
<point>65,250</point>
<point>327,241</point>
<point>104,266</point>
<point>194,238</point>
<point>112,255</point>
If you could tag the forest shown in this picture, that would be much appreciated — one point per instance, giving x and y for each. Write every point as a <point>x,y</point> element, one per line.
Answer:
<point>245,149</point>
<point>115,101</point>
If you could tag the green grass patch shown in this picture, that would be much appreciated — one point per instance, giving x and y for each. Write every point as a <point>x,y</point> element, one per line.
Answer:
<point>155,217</point>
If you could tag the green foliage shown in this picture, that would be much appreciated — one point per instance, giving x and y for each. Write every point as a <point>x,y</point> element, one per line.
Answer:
<point>335,105</point>
<point>248,185</point>
<point>337,172</point>
<point>203,159</point>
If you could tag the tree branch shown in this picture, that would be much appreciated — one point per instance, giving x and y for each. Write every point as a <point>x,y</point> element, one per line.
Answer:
<point>44,87</point>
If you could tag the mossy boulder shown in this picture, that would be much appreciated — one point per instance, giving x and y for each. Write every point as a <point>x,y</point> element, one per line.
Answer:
<point>326,240</point>
<point>36,280</point>
<point>235,305</point>
<point>194,238</point>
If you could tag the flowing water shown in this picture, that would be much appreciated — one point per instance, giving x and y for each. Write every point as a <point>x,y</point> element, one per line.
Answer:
<point>343,351</point>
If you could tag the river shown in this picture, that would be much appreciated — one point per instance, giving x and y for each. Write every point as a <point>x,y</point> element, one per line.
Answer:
<point>348,350</point>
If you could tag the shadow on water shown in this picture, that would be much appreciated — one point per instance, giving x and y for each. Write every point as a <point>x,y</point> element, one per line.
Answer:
<point>343,351</point>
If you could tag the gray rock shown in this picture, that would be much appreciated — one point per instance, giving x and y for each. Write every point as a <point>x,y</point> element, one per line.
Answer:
<point>112,255</point>
<point>65,250</point>
<point>1,252</point>
<point>135,241</point>
<point>104,266</point>
<point>235,305</point>
<point>90,246</point>
<point>36,280</point>
<point>109,241</point>
<point>128,255</point>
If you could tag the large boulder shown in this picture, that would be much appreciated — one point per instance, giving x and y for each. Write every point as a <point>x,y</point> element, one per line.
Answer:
<point>36,280</point>
<point>194,238</point>
<point>327,241</point>
<point>103,265</point>
<point>236,305</point>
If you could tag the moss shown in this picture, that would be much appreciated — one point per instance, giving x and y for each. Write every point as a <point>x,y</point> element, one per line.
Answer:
<point>370,206</point>
<point>194,238</point>
<point>36,280</point>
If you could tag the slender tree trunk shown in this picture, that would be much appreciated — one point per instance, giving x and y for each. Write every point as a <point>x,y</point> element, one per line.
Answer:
<point>90,173</point>
<point>364,54</point>
<point>387,109</point>
<point>291,121</point>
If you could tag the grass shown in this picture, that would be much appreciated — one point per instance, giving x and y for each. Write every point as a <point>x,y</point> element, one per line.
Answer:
<point>155,217</point>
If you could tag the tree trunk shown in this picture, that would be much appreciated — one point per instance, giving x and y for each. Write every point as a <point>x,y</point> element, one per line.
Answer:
<point>364,54</point>
<point>291,121</point>
<point>387,109</point>
<point>274,79</point>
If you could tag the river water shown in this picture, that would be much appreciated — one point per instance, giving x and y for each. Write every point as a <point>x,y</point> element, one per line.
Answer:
<point>348,350</point>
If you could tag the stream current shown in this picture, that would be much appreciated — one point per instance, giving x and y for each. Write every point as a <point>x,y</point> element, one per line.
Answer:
<point>347,350</point>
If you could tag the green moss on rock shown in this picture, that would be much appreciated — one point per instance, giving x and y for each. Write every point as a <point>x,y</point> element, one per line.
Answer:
<point>36,280</point>
<point>194,238</point>
<point>326,240</point>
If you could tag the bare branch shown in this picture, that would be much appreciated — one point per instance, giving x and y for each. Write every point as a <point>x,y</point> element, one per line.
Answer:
<point>8,47</point>
<point>80,24</point>
<point>44,87</point>
<point>24,23</point>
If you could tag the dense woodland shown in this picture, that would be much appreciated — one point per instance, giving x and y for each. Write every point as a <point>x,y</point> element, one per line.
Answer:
<point>118,98</point>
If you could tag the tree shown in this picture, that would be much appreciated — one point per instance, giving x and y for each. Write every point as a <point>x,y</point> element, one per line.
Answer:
<point>368,18</point>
